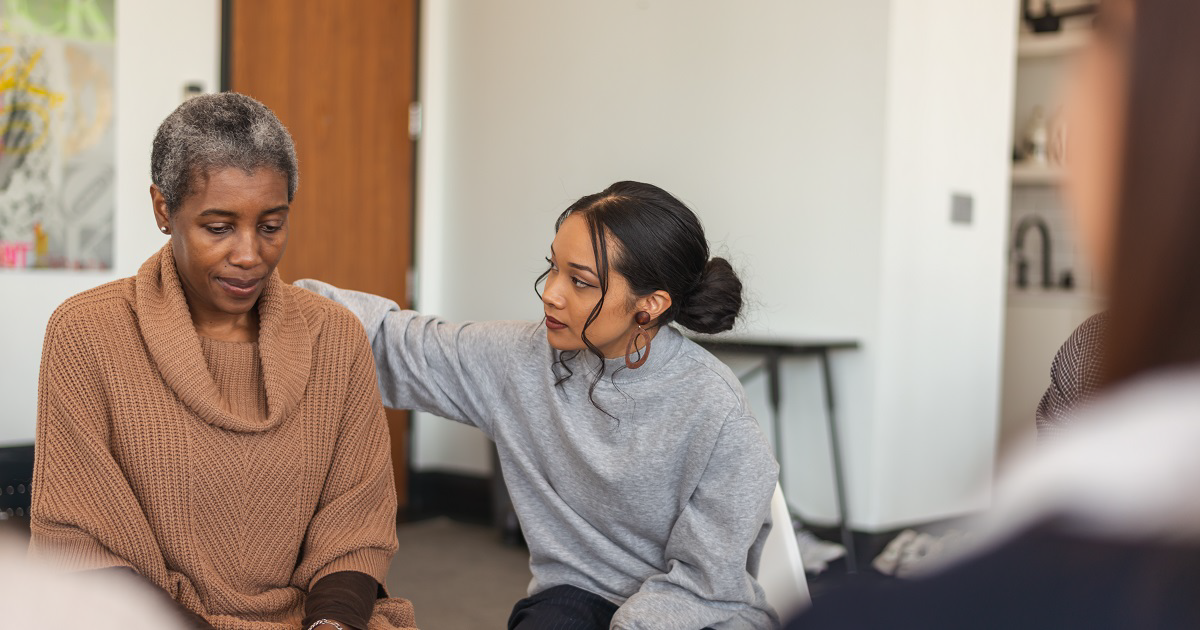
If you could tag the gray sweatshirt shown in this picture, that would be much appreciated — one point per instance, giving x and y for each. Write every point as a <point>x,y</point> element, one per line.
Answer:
<point>662,510</point>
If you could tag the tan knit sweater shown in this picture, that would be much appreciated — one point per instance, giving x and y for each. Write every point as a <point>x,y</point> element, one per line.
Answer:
<point>233,476</point>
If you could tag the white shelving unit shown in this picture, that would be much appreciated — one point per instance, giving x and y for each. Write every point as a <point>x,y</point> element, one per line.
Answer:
<point>1039,320</point>
<point>1036,174</point>
<point>1042,61</point>
<point>1065,43</point>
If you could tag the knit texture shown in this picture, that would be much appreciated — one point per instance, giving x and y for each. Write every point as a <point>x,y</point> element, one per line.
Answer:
<point>233,476</point>
<point>237,372</point>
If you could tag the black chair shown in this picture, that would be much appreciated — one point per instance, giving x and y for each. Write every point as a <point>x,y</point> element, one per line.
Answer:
<point>16,484</point>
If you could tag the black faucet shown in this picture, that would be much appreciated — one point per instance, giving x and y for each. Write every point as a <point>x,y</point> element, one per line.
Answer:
<point>1033,221</point>
<point>1050,21</point>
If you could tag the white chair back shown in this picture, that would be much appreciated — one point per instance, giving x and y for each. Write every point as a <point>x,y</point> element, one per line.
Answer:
<point>781,572</point>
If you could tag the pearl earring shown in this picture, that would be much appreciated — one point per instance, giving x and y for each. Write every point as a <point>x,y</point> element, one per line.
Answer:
<point>163,228</point>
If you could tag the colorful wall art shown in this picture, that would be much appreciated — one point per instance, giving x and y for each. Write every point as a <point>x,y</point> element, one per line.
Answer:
<point>57,134</point>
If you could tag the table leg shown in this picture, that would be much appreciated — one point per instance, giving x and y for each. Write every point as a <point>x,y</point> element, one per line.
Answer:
<point>774,395</point>
<point>836,452</point>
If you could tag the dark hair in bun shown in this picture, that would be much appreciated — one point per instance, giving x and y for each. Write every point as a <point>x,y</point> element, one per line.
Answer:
<point>660,246</point>
<point>715,304</point>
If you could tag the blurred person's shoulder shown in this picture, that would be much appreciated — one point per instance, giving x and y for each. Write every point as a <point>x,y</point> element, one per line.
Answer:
<point>1126,469</point>
<point>1078,360</point>
<point>1147,409</point>
<point>34,595</point>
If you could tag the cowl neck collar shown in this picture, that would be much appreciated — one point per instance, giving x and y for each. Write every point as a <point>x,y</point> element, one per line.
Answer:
<point>284,346</point>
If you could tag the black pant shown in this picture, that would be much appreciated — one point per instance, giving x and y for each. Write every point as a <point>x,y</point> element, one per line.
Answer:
<point>562,608</point>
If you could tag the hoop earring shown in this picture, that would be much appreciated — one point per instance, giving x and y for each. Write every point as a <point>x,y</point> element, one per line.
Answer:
<point>642,318</point>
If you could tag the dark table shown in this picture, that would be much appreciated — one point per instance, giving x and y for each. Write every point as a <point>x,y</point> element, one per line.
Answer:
<point>773,350</point>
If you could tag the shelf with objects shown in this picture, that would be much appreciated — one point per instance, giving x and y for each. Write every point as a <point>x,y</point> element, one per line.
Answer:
<point>1050,45</point>
<point>1025,174</point>
<point>1049,289</point>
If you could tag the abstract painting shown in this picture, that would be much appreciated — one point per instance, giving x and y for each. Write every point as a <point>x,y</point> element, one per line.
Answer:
<point>57,134</point>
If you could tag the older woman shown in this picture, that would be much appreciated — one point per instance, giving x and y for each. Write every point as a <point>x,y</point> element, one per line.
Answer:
<point>206,425</point>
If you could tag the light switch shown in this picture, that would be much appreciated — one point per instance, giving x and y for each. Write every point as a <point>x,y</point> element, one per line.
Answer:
<point>962,208</point>
<point>192,89</point>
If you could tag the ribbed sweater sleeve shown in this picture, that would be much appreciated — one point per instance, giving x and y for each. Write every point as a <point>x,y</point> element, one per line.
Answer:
<point>354,527</point>
<point>456,371</point>
<point>707,580</point>
<point>101,527</point>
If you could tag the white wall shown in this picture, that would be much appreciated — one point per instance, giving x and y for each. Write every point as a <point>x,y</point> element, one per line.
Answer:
<point>934,426</point>
<point>161,45</point>
<point>734,108</point>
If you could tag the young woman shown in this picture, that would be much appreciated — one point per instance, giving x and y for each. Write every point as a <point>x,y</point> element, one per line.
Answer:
<point>640,477</point>
<point>209,428</point>
<point>1100,529</point>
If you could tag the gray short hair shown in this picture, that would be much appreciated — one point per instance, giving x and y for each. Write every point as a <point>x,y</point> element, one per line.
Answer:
<point>217,131</point>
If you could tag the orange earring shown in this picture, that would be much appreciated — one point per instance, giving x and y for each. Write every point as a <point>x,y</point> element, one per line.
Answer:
<point>642,318</point>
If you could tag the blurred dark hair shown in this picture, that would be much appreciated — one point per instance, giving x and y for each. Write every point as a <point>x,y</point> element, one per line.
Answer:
<point>659,245</point>
<point>1154,281</point>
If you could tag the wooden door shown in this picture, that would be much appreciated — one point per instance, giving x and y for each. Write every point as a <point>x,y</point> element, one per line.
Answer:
<point>340,74</point>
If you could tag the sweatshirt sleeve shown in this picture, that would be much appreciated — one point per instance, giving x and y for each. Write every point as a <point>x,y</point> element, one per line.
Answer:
<point>456,371</point>
<point>354,526</point>
<point>714,545</point>
<point>84,514</point>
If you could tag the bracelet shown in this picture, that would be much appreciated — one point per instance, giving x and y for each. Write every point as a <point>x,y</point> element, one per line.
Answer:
<point>326,622</point>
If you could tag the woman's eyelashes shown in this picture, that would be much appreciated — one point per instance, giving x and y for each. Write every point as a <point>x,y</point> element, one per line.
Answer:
<point>225,228</point>
<point>579,284</point>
